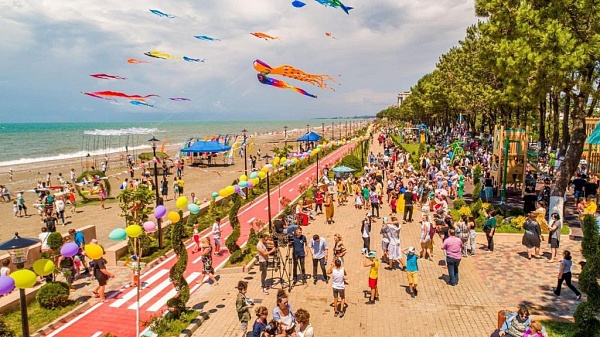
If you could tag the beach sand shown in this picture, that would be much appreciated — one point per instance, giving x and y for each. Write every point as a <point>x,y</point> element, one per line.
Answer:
<point>200,180</point>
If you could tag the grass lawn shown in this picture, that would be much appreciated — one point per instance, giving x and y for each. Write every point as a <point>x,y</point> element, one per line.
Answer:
<point>38,316</point>
<point>559,329</point>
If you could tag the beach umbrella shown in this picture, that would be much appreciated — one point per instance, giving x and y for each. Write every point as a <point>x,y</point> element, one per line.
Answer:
<point>343,169</point>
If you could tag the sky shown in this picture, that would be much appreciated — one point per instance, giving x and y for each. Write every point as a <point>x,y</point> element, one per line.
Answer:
<point>50,47</point>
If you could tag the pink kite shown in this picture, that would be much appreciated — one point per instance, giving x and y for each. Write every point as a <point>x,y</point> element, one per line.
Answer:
<point>105,94</point>
<point>108,77</point>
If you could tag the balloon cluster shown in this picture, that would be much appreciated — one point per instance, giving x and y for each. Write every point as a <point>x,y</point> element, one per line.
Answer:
<point>244,182</point>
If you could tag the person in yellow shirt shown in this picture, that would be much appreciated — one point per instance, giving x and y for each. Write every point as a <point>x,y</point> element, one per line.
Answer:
<point>180,184</point>
<point>369,260</point>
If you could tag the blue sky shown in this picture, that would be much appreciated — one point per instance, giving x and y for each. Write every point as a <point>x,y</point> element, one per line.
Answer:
<point>50,47</point>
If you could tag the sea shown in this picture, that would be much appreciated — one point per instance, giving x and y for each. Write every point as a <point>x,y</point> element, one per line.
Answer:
<point>26,143</point>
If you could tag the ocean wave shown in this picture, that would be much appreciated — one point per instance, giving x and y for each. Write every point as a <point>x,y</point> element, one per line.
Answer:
<point>122,132</point>
<point>79,154</point>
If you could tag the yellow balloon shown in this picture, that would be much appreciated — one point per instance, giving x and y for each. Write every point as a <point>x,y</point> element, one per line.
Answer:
<point>230,189</point>
<point>24,278</point>
<point>133,231</point>
<point>283,160</point>
<point>181,202</point>
<point>243,177</point>
<point>93,251</point>
<point>173,216</point>
<point>255,181</point>
<point>265,169</point>
<point>222,192</point>
<point>276,161</point>
<point>43,267</point>
<point>262,174</point>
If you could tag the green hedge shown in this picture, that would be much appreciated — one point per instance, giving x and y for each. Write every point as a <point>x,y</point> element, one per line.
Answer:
<point>53,295</point>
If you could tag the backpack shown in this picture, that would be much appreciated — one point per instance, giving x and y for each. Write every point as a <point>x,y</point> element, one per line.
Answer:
<point>51,225</point>
<point>432,230</point>
<point>49,199</point>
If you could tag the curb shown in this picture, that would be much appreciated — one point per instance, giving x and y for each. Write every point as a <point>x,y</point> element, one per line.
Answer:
<point>196,323</point>
<point>45,330</point>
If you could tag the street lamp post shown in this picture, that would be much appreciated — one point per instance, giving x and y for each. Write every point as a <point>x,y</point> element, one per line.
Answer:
<point>346,129</point>
<point>285,138</point>
<point>269,202</point>
<point>340,125</point>
<point>323,128</point>
<point>244,132</point>
<point>307,131</point>
<point>154,142</point>
<point>18,245</point>
<point>332,127</point>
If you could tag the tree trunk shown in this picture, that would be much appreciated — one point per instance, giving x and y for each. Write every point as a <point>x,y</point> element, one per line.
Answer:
<point>575,148</point>
<point>555,120</point>
<point>542,135</point>
<point>566,137</point>
<point>518,119</point>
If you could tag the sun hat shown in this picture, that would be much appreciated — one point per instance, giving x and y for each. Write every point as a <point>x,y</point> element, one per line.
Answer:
<point>368,214</point>
<point>411,249</point>
<point>372,254</point>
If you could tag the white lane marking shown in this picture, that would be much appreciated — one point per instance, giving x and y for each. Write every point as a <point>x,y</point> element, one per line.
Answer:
<point>97,334</point>
<point>267,208</point>
<point>151,294</point>
<point>291,190</point>
<point>163,300</point>
<point>251,219</point>
<point>74,320</point>
<point>131,294</point>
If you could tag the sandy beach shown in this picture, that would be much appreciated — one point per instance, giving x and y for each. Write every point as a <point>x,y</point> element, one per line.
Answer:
<point>200,180</point>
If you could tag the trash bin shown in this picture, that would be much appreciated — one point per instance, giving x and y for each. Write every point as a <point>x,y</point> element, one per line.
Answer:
<point>502,315</point>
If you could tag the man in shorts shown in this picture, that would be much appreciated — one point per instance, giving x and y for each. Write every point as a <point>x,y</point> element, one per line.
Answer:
<point>338,284</point>
<point>412,271</point>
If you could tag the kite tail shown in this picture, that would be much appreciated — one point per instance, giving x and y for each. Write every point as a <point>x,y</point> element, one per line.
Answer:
<point>347,9</point>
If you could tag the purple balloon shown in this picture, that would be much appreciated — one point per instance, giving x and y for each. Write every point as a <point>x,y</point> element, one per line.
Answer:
<point>237,188</point>
<point>69,249</point>
<point>7,284</point>
<point>249,185</point>
<point>160,211</point>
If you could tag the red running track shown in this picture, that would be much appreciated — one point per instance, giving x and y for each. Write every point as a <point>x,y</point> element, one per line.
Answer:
<point>111,316</point>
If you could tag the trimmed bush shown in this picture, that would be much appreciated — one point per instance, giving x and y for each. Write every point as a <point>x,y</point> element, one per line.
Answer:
<point>476,207</point>
<point>516,211</point>
<point>55,241</point>
<point>476,191</point>
<point>586,315</point>
<point>5,331</point>
<point>459,203</point>
<point>53,295</point>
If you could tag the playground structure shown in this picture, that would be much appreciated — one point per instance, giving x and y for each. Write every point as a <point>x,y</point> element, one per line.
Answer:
<point>509,158</point>
<point>101,145</point>
<point>591,151</point>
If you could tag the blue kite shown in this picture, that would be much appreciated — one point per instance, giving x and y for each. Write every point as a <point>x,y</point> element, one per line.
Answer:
<point>206,38</point>
<point>334,4</point>
<point>162,14</point>
<point>139,103</point>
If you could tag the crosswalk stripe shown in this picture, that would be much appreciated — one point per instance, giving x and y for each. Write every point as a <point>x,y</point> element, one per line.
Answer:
<point>97,334</point>
<point>151,294</point>
<point>251,219</point>
<point>159,304</point>
<point>133,292</point>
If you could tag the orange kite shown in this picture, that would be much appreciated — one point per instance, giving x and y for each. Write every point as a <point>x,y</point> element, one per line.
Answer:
<point>297,74</point>
<point>134,61</point>
<point>265,36</point>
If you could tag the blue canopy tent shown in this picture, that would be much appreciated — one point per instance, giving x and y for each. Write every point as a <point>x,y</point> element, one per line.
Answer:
<point>200,147</point>
<point>309,137</point>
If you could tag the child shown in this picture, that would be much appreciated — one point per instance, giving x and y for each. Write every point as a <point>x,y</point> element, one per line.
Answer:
<point>358,201</point>
<point>369,260</point>
<point>16,209</point>
<point>393,203</point>
<point>134,266</point>
<point>196,239</point>
<point>242,306</point>
<point>535,330</point>
<point>77,262</point>
<point>5,271</point>
<point>412,271</point>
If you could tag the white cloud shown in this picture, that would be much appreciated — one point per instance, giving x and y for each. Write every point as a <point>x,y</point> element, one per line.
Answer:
<point>51,46</point>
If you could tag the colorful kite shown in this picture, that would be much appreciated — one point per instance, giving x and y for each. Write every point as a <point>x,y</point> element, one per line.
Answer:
<point>107,94</point>
<point>139,103</point>
<point>330,35</point>
<point>108,77</point>
<point>298,4</point>
<point>334,4</point>
<point>265,36</point>
<point>96,96</point>
<point>134,61</point>
<point>165,56</point>
<point>281,84</point>
<point>297,74</point>
<point>206,38</point>
<point>161,14</point>
<point>179,99</point>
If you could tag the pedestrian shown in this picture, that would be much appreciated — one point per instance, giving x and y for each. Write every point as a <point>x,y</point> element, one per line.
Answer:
<point>338,274</point>
<point>462,228</point>
<point>242,306</point>
<point>408,205</point>
<point>395,246</point>
<point>102,275</point>
<point>102,196</point>
<point>206,256</point>
<point>319,199</point>
<point>79,240</point>
<point>365,230</point>
<point>262,315</point>
<point>472,234</point>
<point>164,189</point>
<point>263,255</point>
<point>489,228</point>
<point>5,270</point>
<point>426,238</point>
<point>412,271</point>
<point>50,222</point>
<point>216,231</point>
<point>374,199</point>
<point>554,236</point>
<point>329,208</point>
<point>59,204</point>
<point>369,260</point>
<point>176,192</point>
<point>453,248</point>
<point>305,329</point>
<point>318,252</point>
<point>283,313</point>
<point>299,254</point>
<point>339,249</point>
<point>564,274</point>
<point>532,236</point>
